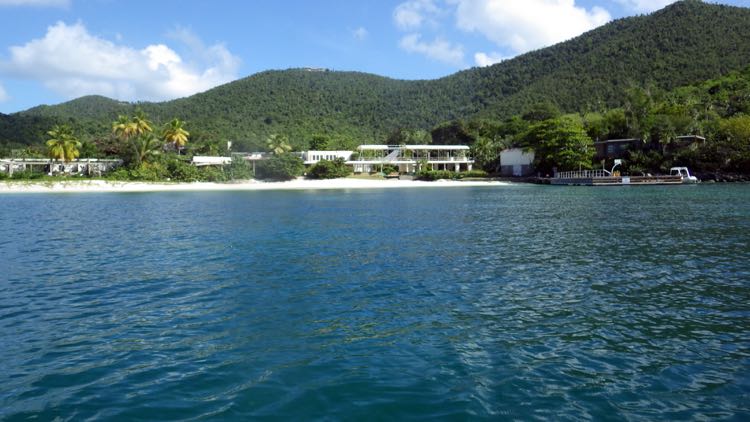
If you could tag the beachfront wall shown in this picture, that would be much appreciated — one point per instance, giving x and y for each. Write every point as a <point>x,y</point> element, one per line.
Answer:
<point>412,158</point>
<point>79,167</point>
<point>313,157</point>
<point>515,162</point>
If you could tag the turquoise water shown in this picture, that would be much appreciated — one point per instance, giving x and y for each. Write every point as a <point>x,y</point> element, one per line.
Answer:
<point>493,302</point>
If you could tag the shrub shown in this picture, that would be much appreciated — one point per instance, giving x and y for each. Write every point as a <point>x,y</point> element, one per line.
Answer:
<point>432,175</point>
<point>450,175</point>
<point>280,167</point>
<point>239,169</point>
<point>119,174</point>
<point>27,175</point>
<point>152,172</point>
<point>212,174</point>
<point>473,173</point>
<point>326,169</point>
<point>183,171</point>
<point>389,168</point>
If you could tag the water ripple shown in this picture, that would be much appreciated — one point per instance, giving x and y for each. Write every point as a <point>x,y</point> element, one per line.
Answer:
<point>516,303</point>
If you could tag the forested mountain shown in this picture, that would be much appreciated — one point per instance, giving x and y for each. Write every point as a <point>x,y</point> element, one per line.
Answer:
<point>685,43</point>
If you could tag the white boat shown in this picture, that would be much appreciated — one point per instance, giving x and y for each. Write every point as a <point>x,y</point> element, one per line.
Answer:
<point>684,174</point>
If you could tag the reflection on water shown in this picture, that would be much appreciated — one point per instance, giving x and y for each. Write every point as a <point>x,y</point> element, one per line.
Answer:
<point>519,302</point>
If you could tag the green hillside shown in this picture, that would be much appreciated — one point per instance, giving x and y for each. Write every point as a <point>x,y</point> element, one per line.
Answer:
<point>685,43</point>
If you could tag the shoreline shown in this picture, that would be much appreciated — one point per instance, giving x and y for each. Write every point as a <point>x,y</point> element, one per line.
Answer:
<point>105,186</point>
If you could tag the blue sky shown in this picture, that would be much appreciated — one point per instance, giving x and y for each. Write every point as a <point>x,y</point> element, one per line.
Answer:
<point>56,50</point>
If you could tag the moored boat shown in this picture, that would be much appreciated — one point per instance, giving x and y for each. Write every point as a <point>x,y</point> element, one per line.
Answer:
<point>684,174</point>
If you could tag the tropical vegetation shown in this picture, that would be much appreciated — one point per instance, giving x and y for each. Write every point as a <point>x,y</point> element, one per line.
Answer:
<point>683,44</point>
<point>63,145</point>
<point>174,133</point>
<point>682,70</point>
<point>329,169</point>
<point>280,167</point>
<point>278,144</point>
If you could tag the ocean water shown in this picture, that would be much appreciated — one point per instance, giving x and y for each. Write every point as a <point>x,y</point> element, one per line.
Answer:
<point>522,302</point>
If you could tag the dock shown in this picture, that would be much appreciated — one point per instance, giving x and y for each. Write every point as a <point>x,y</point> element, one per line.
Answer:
<point>605,178</point>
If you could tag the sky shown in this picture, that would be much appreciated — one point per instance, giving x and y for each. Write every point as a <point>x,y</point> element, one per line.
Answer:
<point>53,51</point>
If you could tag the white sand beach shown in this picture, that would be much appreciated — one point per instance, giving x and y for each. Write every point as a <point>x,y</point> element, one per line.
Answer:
<point>82,186</point>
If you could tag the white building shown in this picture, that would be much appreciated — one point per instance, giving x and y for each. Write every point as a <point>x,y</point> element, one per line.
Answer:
<point>77,167</point>
<point>371,158</point>
<point>412,158</point>
<point>203,160</point>
<point>312,157</point>
<point>516,162</point>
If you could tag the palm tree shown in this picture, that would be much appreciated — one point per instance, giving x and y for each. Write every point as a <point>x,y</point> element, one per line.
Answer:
<point>62,145</point>
<point>485,151</point>
<point>278,144</point>
<point>176,134</point>
<point>141,123</point>
<point>136,131</point>
<point>145,146</point>
<point>123,128</point>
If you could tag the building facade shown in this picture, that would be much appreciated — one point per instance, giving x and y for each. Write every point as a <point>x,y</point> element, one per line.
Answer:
<point>312,157</point>
<point>411,158</point>
<point>515,162</point>
<point>78,167</point>
<point>617,148</point>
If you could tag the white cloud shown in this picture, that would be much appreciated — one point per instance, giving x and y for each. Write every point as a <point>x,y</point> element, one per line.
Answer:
<point>413,14</point>
<point>3,95</point>
<point>439,49</point>
<point>37,3</point>
<point>73,63</point>
<point>524,25</point>
<point>360,33</point>
<point>484,59</point>
<point>645,6</point>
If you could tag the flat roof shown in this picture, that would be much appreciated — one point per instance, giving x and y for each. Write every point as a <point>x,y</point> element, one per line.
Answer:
<point>413,147</point>
<point>618,141</point>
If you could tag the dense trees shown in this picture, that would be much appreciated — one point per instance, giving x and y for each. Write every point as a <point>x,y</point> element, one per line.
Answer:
<point>560,143</point>
<point>451,133</point>
<point>319,142</point>
<point>716,109</point>
<point>683,44</point>
<point>137,133</point>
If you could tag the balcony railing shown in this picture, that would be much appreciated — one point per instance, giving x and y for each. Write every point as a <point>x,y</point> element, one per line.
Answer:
<point>582,174</point>
<point>392,158</point>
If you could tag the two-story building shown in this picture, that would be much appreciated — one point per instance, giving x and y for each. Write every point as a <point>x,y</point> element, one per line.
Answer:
<point>411,158</point>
